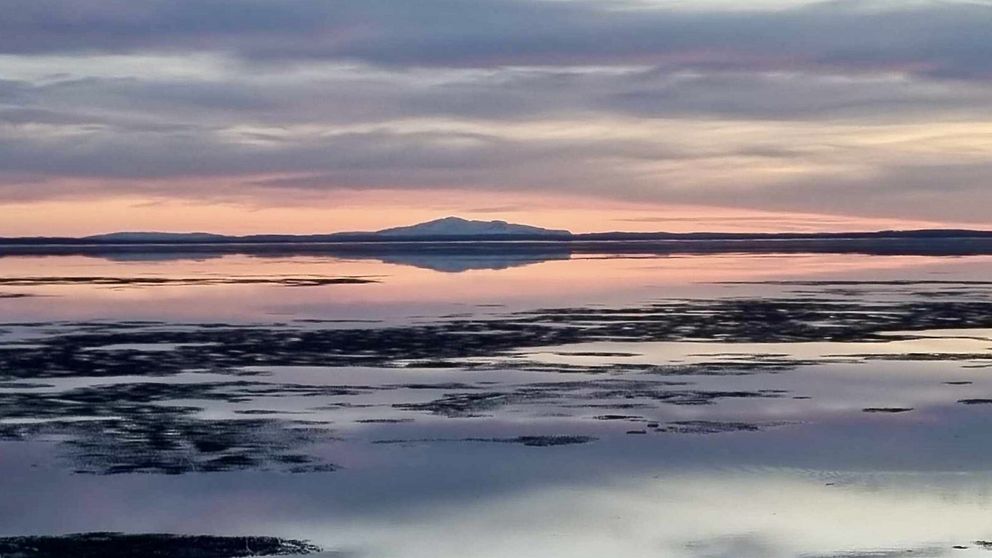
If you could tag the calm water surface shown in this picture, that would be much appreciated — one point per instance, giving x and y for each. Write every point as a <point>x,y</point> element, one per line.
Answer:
<point>693,406</point>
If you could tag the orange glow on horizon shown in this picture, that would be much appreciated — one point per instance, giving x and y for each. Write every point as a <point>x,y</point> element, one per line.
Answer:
<point>351,210</point>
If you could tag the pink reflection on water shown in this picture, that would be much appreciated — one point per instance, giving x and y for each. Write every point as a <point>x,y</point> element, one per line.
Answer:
<point>403,292</point>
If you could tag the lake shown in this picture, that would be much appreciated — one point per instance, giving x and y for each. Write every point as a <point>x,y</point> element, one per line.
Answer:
<point>435,405</point>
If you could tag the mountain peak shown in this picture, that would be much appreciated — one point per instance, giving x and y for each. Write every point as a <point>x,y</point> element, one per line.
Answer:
<point>451,219</point>
<point>457,226</point>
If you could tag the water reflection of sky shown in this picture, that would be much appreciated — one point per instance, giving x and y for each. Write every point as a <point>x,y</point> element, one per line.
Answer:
<point>820,478</point>
<point>623,500</point>
<point>405,292</point>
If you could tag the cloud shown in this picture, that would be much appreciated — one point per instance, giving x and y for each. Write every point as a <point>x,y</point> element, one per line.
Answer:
<point>943,191</point>
<point>337,96</point>
<point>942,39</point>
<point>860,108</point>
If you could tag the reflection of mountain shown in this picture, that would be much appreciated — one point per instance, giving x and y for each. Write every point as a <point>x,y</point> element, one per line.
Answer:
<point>156,256</point>
<point>457,263</point>
<point>444,257</point>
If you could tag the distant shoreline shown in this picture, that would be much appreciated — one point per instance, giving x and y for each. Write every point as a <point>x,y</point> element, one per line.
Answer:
<point>839,243</point>
<point>121,239</point>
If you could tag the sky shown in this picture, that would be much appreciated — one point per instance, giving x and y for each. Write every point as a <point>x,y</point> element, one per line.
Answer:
<point>306,116</point>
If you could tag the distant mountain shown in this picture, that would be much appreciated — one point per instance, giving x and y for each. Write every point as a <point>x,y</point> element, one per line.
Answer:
<point>456,226</point>
<point>457,229</point>
<point>446,228</point>
<point>157,237</point>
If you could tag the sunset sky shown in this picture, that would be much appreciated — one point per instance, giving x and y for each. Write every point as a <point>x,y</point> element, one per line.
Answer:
<point>324,115</point>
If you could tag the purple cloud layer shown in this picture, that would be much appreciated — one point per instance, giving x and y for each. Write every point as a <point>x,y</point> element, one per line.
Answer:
<point>876,106</point>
